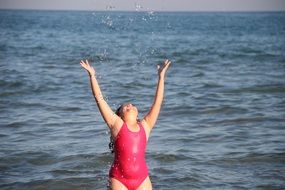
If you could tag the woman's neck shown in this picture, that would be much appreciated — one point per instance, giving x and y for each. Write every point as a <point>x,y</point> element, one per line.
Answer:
<point>131,121</point>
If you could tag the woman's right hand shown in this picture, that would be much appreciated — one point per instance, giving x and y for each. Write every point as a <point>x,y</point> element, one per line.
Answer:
<point>88,67</point>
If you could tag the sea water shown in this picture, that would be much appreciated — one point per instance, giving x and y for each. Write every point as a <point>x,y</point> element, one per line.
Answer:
<point>222,123</point>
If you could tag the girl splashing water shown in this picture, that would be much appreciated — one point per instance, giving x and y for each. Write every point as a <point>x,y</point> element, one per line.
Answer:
<point>129,170</point>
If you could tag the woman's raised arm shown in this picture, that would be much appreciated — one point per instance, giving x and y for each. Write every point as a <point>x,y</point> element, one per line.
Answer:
<point>109,116</point>
<point>152,115</point>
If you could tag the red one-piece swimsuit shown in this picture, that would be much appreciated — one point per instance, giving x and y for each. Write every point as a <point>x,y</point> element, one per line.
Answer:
<point>129,166</point>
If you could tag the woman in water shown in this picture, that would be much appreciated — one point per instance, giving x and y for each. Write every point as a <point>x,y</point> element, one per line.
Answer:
<point>129,170</point>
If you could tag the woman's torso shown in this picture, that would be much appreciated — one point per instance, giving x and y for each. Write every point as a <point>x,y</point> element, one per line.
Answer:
<point>129,149</point>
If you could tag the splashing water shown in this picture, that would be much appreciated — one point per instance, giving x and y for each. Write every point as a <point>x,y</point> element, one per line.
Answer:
<point>107,21</point>
<point>103,56</point>
<point>110,7</point>
<point>138,7</point>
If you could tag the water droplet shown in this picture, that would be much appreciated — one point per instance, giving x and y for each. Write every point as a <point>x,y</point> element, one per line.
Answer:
<point>150,13</point>
<point>108,21</point>
<point>131,19</point>
<point>110,7</point>
<point>138,7</point>
<point>168,25</point>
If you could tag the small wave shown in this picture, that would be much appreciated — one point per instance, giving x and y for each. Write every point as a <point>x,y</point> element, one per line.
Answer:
<point>91,182</point>
<point>212,85</point>
<point>16,124</point>
<point>29,104</point>
<point>188,181</point>
<point>72,109</point>
<point>161,170</point>
<point>250,158</point>
<point>240,120</point>
<point>199,74</point>
<point>270,186</point>
<point>249,50</point>
<point>223,109</point>
<point>169,157</point>
<point>11,84</point>
<point>97,159</point>
<point>36,158</point>
<point>183,94</point>
<point>40,158</point>
<point>3,135</point>
<point>259,89</point>
<point>179,110</point>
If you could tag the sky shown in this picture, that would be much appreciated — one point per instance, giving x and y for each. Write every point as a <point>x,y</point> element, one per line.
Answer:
<point>147,5</point>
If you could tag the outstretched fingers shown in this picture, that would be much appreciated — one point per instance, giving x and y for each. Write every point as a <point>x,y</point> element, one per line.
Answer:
<point>164,66</point>
<point>87,67</point>
<point>166,63</point>
<point>84,63</point>
<point>87,62</point>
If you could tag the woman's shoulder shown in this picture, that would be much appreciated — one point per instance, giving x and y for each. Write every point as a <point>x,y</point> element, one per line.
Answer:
<point>117,127</point>
<point>143,123</point>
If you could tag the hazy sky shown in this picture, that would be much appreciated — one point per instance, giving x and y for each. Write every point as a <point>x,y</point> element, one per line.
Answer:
<point>154,5</point>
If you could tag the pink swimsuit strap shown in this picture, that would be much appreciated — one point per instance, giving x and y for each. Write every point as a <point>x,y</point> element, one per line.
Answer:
<point>129,166</point>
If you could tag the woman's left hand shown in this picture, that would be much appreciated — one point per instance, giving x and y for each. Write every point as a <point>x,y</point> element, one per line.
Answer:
<point>163,68</point>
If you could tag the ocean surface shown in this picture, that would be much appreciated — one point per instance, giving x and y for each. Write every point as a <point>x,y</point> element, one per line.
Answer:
<point>222,124</point>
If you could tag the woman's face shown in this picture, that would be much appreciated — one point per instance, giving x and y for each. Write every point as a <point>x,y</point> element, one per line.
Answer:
<point>128,108</point>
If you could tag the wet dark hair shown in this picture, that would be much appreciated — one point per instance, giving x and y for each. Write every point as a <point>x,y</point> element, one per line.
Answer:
<point>111,143</point>
<point>118,110</point>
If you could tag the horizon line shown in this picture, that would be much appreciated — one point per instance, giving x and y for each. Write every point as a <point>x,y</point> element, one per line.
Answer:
<point>162,11</point>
